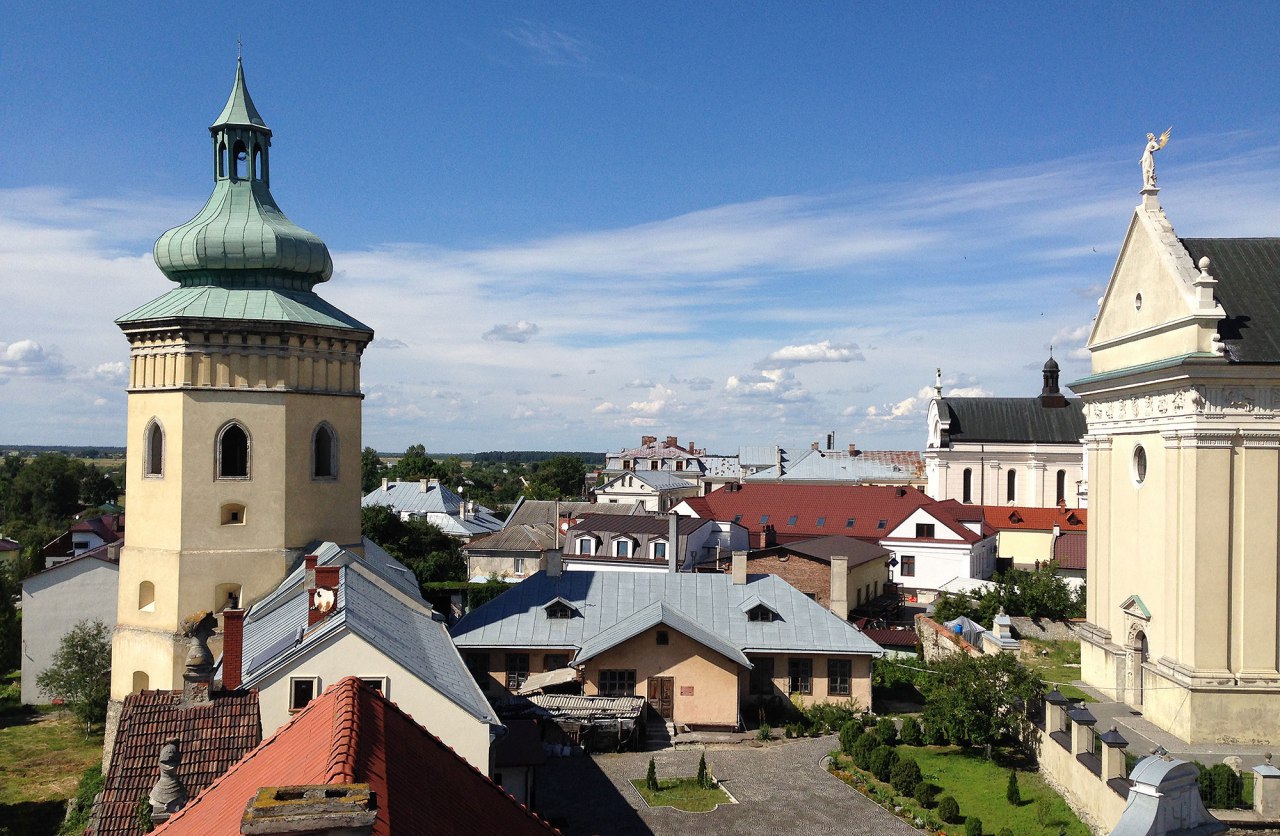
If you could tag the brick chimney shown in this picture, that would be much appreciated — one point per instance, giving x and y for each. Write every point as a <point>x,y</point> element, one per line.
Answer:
<point>853,449</point>
<point>739,568</point>
<point>232,648</point>
<point>422,485</point>
<point>839,602</point>
<point>385,482</point>
<point>768,537</point>
<point>673,441</point>
<point>322,596</point>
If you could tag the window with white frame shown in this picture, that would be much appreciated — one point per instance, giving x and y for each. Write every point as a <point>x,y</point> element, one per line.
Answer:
<point>302,690</point>
<point>658,548</point>
<point>586,545</point>
<point>622,547</point>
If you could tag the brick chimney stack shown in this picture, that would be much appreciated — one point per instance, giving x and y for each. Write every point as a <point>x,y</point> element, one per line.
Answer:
<point>232,648</point>
<point>768,537</point>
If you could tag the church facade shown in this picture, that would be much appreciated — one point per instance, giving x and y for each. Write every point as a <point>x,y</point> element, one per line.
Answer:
<point>1183,412</point>
<point>244,411</point>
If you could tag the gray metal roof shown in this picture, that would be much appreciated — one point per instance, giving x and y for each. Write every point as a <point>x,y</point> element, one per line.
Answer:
<point>1012,420</point>
<point>1248,274</point>
<point>531,511</point>
<point>759,455</point>
<point>710,600</point>
<point>832,466</point>
<point>659,480</point>
<point>439,505</point>
<point>405,632</point>
<point>722,467</point>
<point>659,612</point>
<point>302,307</point>
<point>331,554</point>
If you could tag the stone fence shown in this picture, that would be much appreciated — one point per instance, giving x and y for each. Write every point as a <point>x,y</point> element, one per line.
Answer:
<point>1044,629</point>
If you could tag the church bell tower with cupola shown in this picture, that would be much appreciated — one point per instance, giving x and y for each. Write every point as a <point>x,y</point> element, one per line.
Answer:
<point>244,411</point>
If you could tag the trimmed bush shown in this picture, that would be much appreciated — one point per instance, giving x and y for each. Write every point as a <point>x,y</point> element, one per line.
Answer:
<point>704,777</point>
<point>948,810</point>
<point>906,776</point>
<point>764,732</point>
<point>862,749</point>
<point>911,734</point>
<point>973,826</point>
<point>1012,793</point>
<point>1220,787</point>
<point>925,793</point>
<point>849,734</point>
<point>651,777</point>
<point>882,762</point>
<point>887,731</point>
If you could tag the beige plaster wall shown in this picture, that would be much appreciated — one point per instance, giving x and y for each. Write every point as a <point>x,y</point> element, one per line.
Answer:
<point>1025,547</point>
<point>860,685</point>
<point>1083,789</point>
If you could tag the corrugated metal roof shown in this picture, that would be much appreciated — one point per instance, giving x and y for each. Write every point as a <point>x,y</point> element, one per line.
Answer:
<point>759,455</point>
<point>1012,420</point>
<point>659,612</point>
<point>659,480</point>
<point>516,538</point>
<point>517,619</point>
<point>437,504</point>
<point>722,467</point>
<point>841,466</point>
<point>658,526</point>
<point>532,511</point>
<point>1248,274</point>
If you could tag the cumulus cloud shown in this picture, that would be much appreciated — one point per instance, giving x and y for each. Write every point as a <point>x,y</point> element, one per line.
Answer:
<point>606,408</point>
<point>821,352</point>
<point>518,332</point>
<point>638,383</point>
<point>28,358</point>
<point>913,408</point>
<point>771,384</point>
<point>1072,339</point>
<point>390,343</point>
<point>114,373</point>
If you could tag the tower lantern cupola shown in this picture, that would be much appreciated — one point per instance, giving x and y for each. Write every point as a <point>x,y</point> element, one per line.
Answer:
<point>241,138</point>
<point>1051,394</point>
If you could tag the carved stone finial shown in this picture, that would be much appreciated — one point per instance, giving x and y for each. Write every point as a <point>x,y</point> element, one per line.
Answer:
<point>168,796</point>
<point>199,628</point>
<point>937,382</point>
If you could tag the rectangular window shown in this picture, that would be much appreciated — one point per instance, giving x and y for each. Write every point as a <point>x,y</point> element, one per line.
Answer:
<point>478,665</point>
<point>924,531</point>
<point>737,518</point>
<point>555,661</point>
<point>302,690</point>
<point>517,670</point>
<point>664,637</point>
<point>622,548</point>
<point>839,677</point>
<point>377,683</point>
<point>764,518</point>
<point>617,683</point>
<point>822,521</point>
<point>849,522</point>
<point>908,566</point>
<point>881,524</point>
<point>653,464</point>
<point>761,684</point>
<point>800,674</point>
<point>679,465</point>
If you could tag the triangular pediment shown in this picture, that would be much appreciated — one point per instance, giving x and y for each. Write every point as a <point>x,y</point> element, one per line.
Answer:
<point>1134,606</point>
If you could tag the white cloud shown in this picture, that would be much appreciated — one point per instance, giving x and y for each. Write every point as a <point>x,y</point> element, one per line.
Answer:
<point>518,332</point>
<point>822,352</point>
<point>28,358</point>
<point>550,46</point>
<point>778,384</point>
<point>606,408</point>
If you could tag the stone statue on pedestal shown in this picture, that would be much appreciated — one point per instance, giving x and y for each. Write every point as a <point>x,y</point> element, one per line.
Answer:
<point>1149,158</point>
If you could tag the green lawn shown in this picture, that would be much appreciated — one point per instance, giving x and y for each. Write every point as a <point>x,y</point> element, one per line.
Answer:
<point>1061,664</point>
<point>683,794</point>
<point>42,756</point>
<point>978,785</point>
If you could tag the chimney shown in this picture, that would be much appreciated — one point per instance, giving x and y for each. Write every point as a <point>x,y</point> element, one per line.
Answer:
<point>840,586</point>
<point>672,441</point>
<point>323,597</point>
<point>814,446</point>
<point>831,440</point>
<point>674,552</point>
<point>312,810</point>
<point>385,482</point>
<point>232,648</point>
<point>739,568</point>
<point>853,449</point>
<point>309,577</point>
<point>113,550</point>
<point>646,440</point>
<point>422,485</point>
<point>555,563</point>
<point>692,449</point>
<point>768,537</point>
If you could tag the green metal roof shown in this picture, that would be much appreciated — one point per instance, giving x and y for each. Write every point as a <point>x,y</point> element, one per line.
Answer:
<point>262,305</point>
<point>1248,274</point>
<point>239,109</point>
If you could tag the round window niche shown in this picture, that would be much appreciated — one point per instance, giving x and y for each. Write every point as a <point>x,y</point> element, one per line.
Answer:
<point>1139,464</point>
<point>1137,302</point>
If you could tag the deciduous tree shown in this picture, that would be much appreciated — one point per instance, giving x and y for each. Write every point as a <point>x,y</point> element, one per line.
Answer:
<point>981,701</point>
<point>80,672</point>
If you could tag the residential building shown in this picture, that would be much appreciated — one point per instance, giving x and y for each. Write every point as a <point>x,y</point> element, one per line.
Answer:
<point>840,573</point>
<point>939,542</point>
<point>536,511</point>
<point>653,454</point>
<point>827,466</point>
<point>657,491</point>
<point>697,645</point>
<point>648,543</point>
<point>1184,536</point>
<point>775,514</point>
<point>54,600</point>
<point>1007,451</point>
<point>342,614</point>
<point>429,500</point>
<point>244,410</point>
<point>352,762</point>
<point>1028,537</point>
<point>84,535</point>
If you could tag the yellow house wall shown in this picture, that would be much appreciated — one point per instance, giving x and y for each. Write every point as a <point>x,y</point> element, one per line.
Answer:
<point>860,684</point>
<point>1025,547</point>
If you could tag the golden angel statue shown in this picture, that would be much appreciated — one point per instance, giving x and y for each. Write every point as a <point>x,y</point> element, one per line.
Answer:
<point>1149,158</point>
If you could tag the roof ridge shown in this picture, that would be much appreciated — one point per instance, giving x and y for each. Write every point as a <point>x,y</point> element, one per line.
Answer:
<point>346,732</point>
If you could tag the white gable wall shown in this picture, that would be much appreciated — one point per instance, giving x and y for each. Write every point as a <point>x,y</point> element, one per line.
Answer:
<point>55,601</point>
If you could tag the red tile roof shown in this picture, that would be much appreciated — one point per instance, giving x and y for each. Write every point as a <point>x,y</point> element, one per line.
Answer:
<point>1020,518</point>
<point>835,505</point>
<point>211,737</point>
<point>352,734</point>
<point>1070,552</point>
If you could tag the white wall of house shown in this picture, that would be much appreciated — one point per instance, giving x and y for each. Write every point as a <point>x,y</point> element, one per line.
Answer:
<point>350,655</point>
<point>1035,469</point>
<point>53,602</point>
<point>940,558</point>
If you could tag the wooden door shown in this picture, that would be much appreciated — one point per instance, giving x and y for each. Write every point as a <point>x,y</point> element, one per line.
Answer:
<point>662,695</point>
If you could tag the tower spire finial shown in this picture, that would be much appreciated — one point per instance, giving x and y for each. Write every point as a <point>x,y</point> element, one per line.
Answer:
<point>239,48</point>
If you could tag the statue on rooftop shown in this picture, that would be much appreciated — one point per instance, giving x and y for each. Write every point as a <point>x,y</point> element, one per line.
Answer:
<point>168,795</point>
<point>1149,158</point>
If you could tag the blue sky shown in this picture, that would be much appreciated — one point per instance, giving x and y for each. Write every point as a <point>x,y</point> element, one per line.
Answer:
<point>573,224</point>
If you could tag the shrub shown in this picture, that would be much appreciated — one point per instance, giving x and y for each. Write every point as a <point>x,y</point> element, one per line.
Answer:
<point>862,749</point>
<point>1012,792</point>
<point>81,804</point>
<point>827,717</point>
<point>764,732</point>
<point>882,762</point>
<point>925,793</point>
<point>906,776</point>
<point>651,778</point>
<point>973,826</point>
<point>705,781</point>
<point>887,731</point>
<point>849,734</point>
<point>1225,788</point>
<point>949,810</point>
<point>911,734</point>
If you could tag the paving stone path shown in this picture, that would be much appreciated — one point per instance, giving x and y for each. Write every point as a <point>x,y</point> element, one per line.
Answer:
<point>780,789</point>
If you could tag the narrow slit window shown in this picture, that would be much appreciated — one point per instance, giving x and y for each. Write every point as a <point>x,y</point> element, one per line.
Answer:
<point>154,465</point>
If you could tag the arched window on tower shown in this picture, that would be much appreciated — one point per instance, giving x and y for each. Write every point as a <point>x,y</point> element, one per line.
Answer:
<point>222,160</point>
<point>1011,488</point>
<point>259,160</point>
<point>324,452</point>
<point>1062,487</point>
<point>241,155</point>
<point>153,456</point>
<point>967,485</point>
<point>233,452</point>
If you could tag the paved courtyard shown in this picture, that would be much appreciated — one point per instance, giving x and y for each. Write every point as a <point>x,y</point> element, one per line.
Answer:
<point>780,789</point>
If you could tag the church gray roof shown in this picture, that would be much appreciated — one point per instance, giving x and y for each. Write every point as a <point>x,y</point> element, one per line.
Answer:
<point>1248,274</point>
<point>1012,420</point>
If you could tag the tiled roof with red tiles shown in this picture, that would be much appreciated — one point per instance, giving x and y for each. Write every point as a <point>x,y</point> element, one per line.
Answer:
<point>1021,518</point>
<point>211,737</point>
<point>954,514</point>
<point>800,511</point>
<point>1069,550</point>
<point>824,548</point>
<point>352,734</point>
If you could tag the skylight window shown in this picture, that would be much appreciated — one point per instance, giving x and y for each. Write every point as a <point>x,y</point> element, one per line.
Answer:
<point>737,518</point>
<point>791,520</point>
<point>822,521</point>
<point>764,518</point>
<point>882,524</point>
<point>849,522</point>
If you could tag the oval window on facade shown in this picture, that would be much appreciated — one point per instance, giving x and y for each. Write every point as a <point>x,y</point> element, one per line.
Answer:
<point>1139,464</point>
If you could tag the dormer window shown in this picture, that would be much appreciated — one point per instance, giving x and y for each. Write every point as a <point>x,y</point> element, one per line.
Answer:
<point>622,547</point>
<point>760,613</point>
<point>560,609</point>
<point>586,545</point>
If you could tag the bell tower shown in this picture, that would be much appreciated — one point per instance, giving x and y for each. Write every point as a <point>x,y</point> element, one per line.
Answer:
<point>244,411</point>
